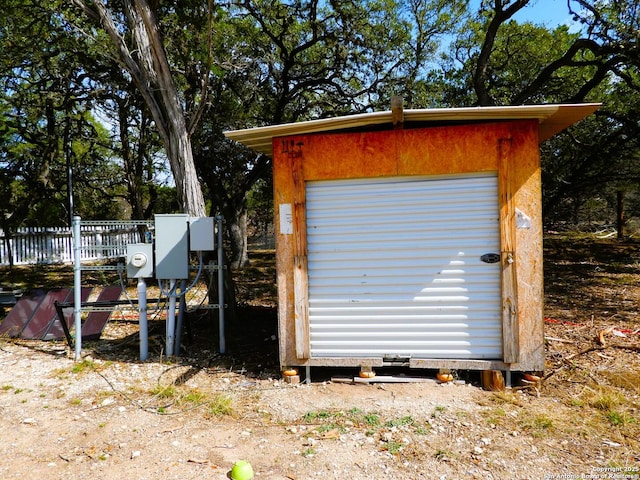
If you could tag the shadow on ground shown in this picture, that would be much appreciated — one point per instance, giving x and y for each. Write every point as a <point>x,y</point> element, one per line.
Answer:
<point>251,342</point>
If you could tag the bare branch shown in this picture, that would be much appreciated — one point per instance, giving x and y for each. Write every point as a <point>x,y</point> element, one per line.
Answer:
<point>546,74</point>
<point>481,72</point>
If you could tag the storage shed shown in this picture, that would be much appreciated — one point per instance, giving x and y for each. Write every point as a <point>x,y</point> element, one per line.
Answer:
<point>411,237</point>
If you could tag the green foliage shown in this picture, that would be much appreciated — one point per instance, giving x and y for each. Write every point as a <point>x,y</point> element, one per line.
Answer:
<point>521,52</point>
<point>164,391</point>
<point>221,405</point>
<point>538,425</point>
<point>174,396</point>
<point>400,422</point>
<point>308,452</point>
<point>311,417</point>
<point>372,419</point>
<point>260,205</point>
<point>66,105</point>
<point>620,418</point>
<point>48,125</point>
<point>83,367</point>
<point>496,60</point>
<point>393,447</point>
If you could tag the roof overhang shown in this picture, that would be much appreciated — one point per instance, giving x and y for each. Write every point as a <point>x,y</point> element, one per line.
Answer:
<point>552,119</point>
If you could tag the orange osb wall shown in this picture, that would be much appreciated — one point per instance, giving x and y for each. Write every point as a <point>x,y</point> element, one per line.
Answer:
<point>510,148</point>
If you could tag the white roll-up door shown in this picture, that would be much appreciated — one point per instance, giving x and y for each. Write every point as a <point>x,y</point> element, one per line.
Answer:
<point>395,269</point>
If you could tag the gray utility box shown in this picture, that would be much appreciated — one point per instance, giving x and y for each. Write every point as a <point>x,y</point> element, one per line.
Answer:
<point>201,234</point>
<point>172,246</point>
<point>139,260</point>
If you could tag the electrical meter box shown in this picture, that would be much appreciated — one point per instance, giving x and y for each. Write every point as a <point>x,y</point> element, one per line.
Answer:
<point>172,246</point>
<point>139,260</point>
<point>201,234</point>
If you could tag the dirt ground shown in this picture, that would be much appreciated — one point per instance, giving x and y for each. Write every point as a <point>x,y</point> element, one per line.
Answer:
<point>112,416</point>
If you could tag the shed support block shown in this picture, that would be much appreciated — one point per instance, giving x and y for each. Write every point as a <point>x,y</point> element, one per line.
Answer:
<point>493,380</point>
<point>366,371</point>
<point>292,379</point>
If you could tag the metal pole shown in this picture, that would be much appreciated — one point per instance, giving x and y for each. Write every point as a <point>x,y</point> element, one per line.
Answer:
<point>171,319</point>
<point>69,180</point>
<point>142,313</point>
<point>182,307</point>
<point>223,346</point>
<point>77,287</point>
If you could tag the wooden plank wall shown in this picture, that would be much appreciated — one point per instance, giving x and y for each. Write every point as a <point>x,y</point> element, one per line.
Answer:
<point>509,148</point>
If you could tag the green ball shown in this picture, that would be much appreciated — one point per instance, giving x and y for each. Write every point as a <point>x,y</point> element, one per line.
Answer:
<point>242,470</point>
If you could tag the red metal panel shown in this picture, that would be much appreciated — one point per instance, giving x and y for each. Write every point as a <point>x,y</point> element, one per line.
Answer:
<point>45,314</point>
<point>96,321</point>
<point>55,330</point>
<point>21,313</point>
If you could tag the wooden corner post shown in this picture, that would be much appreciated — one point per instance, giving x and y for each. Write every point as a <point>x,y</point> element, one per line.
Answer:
<point>506,187</point>
<point>300,273</point>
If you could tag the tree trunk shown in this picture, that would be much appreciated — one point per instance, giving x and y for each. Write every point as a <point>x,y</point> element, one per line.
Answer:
<point>149,68</point>
<point>131,166</point>
<point>184,171</point>
<point>620,214</point>
<point>237,234</point>
<point>8,249</point>
<point>167,108</point>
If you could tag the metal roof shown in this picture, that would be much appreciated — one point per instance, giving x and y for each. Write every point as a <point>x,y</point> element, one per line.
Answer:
<point>552,119</point>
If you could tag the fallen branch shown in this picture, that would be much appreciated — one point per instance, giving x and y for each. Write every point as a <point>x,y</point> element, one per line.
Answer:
<point>594,348</point>
<point>562,340</point>
<point>586,350</point>
<point>631,348</point>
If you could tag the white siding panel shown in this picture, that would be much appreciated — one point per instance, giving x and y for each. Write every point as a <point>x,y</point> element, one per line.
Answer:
<point>395,270</point>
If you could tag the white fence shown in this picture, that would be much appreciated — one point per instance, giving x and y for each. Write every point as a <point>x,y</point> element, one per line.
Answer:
<point>48,245</point>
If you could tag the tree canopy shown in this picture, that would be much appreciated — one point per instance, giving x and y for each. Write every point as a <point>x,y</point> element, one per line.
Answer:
<point>97,97</point>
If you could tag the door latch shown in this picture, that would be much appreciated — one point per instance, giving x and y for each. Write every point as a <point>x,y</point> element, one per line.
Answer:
<point>490,258</point>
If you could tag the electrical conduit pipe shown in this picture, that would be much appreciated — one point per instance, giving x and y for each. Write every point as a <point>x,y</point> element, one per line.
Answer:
<point>142,313</point>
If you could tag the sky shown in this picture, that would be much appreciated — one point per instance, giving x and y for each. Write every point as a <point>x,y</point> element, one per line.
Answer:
<point>549,13</point>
